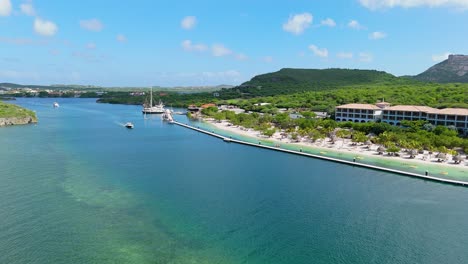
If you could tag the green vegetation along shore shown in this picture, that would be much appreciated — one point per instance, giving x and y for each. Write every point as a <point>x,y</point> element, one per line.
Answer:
<point>412,135</point>
<point>14,115</point>
<point>316,90</point>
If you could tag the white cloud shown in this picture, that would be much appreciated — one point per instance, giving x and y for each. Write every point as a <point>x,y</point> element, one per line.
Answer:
<point>187,45</point>
<point>44,27</point>
<point>241,57</point>
<point>91,45</point>
<point>441,57</point>
<point>268,59</point>
<point>5,7</point>
<point>377,35</point>
<point>365,57</point>
<point>219,50</point>
<point>28,9</point>
<point>121,38</point>
<point>383,4</point>
<point>92,25</point>
<point>345,55</point>
<point>298,23</point>
<point>188,22</point>
<point>328,22</point>
<point>354,24</point>
<point>320,52</point>
<point>23,41</point>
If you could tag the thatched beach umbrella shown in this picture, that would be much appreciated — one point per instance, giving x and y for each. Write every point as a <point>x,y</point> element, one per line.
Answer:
<point>441,156</point>
<point>425,156</point>
<point>381,149</point>
<point>458,158</point>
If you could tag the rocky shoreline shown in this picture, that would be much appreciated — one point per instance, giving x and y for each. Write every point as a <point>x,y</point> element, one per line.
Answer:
<point>9,121</point>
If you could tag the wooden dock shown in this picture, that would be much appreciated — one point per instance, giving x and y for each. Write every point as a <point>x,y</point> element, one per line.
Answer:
<point>353,163</point>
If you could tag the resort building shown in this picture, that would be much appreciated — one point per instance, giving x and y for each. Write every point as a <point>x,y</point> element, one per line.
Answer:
<point>457,117</point>
<point>393,115</point>
<point>359,113</point>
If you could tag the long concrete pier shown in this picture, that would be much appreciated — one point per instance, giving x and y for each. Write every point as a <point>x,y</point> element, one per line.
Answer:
<point>353,163</point>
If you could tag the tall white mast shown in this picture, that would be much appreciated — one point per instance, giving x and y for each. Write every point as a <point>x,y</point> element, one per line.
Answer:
<point>151,96</point>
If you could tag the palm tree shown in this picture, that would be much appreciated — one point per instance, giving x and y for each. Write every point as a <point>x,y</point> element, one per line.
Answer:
<point>359,137</point>
<point>342,133</point>
<point>393,149</point>
<point>315,134</point>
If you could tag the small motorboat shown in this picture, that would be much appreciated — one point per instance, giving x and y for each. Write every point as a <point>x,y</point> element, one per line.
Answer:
<point>56,105</point>
<point>128,125</point>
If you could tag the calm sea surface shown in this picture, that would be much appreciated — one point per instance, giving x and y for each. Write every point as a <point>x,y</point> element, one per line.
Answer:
<point>80,188</point>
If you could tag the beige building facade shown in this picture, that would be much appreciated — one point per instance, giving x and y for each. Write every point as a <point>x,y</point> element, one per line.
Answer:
<point>393,115</point>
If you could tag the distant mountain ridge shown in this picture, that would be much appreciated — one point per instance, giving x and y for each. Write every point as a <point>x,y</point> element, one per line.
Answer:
<point>45,87</point>
<point>452,70</point>
<point>4,86</point>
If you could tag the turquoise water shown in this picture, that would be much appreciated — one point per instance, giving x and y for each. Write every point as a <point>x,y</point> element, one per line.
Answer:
<point>80,188</point>
<point>450,171</point>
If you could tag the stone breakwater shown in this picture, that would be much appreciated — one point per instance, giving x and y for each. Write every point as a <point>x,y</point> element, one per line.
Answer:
<point>8,121</point>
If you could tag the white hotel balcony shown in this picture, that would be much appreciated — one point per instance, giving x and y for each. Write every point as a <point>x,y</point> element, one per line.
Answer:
<point>359,113</point>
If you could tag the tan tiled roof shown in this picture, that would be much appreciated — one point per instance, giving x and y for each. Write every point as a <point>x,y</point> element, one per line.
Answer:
<point>451,111</point>
<point>382,103</point>
<point>359,106</point>
<point>410,108</point>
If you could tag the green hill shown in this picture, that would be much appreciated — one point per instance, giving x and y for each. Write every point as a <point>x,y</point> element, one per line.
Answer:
<point>11,114</point>
<point>287,81</point>
<point>452,70</point>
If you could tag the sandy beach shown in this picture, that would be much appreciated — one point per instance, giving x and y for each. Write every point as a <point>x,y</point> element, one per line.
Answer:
<point>341,146</point>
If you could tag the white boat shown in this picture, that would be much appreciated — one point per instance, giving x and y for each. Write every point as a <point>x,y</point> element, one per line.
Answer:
<point>153,109</point>
<point>167,116</point>
<point>129,125</point>
<point>56,105</point>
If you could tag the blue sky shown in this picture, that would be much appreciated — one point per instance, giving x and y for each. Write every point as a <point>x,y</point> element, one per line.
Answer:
<point>207,42</point>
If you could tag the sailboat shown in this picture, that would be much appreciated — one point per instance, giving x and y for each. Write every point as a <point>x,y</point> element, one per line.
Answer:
<point>153,109</point>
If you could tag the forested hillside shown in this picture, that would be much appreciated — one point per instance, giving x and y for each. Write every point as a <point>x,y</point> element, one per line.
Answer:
<point>287,81</point>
